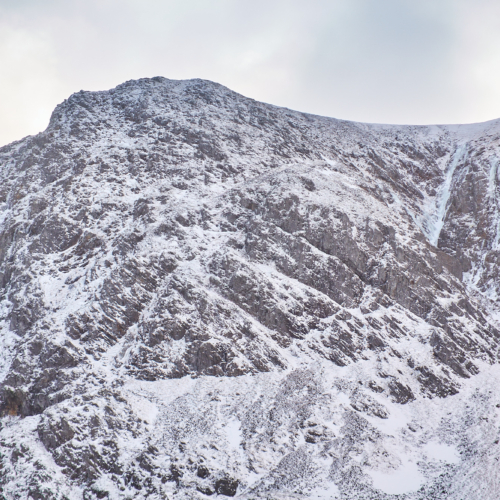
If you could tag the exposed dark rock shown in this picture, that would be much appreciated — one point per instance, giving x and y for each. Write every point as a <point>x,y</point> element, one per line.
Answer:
<point>226,486</point>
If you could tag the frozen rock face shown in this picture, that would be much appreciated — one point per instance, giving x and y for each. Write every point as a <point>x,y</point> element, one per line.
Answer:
<point>205,295</point>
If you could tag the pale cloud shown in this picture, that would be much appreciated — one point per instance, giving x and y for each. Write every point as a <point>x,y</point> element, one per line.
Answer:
<point>396,61</point>
<point>477,58</point>
<point>29,84</point>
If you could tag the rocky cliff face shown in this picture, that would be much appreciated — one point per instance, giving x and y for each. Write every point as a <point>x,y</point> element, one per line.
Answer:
<point>205,295</point>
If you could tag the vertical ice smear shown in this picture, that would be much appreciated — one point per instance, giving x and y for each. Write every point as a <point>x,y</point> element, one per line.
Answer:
<point>492,193</point>
<point>7,343</point>
<point>493,176</point>
<point>7,340</point>
<point>3,212</point>
<point>433,222</point>
<point>416,220</point>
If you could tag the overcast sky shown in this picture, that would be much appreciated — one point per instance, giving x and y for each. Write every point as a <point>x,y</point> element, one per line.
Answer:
<point>385,61</point>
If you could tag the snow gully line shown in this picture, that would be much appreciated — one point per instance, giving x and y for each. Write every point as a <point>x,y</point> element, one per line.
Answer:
<point>435,221</point>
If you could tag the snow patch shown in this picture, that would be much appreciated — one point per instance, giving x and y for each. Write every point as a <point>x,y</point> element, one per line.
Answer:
<point>442,452</point>
<point>406,479</point>
<point>233,432</point>
<point>327,491</point>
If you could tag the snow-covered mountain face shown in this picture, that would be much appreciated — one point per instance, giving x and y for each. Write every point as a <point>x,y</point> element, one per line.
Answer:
<point>206,295</point>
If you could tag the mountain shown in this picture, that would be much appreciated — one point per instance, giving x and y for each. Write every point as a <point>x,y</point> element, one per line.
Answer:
<point>206,296</point>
